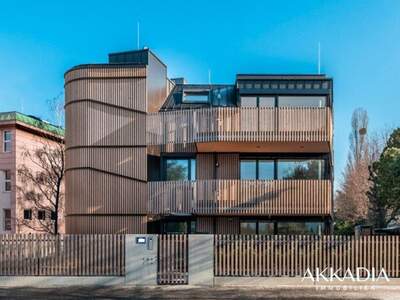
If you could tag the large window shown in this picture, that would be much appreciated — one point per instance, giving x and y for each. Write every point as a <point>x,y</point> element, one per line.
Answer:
<point>256,227</point>
<point>270,227</point>
<point>300,228</point>
<point>179,227</point>
<point>196,97</point>
<point>253,101</point>
<point>270,169</point>
<point>252,169</point>
<point>180,169</point>
<point>301,169</point>
<point>7,141</point>
<point>302,101</point>
<point>7,219</point>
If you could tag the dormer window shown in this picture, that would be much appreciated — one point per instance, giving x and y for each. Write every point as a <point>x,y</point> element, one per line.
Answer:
<point>196,97</point>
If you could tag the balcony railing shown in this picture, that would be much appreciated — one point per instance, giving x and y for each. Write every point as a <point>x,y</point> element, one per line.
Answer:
<point>239,125</point>
<point>241,197</point>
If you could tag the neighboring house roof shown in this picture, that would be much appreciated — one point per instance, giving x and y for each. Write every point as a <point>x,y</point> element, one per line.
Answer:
<point>218,95</point>
<point>31,121</point>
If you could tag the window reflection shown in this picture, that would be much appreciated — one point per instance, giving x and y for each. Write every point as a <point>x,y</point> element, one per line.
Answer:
<point>248,227</point>
<point>265,227</point>
<point>300,228</point>
<point>180,169</point>
<point>301,169</point>
<point>266,169</point>
<point>248,169</point>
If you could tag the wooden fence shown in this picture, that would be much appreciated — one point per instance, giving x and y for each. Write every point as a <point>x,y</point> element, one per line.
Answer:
<point>62,255</point>
<point>243,197</point>
<point>173,259</point>
<point>258,255</point>
<point>240,124</point>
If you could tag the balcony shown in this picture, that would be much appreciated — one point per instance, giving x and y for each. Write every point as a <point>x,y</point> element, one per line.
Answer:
<point>241,197</point>
<point>208,127</point>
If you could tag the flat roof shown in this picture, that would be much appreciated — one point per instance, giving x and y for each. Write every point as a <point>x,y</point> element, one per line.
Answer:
<point>281,76</point>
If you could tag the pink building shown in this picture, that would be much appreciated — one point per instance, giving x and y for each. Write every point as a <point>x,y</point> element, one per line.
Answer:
<point>20,133</point>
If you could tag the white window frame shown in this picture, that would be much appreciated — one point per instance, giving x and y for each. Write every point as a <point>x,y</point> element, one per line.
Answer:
<point>7,180</point>
<point>7,142</point>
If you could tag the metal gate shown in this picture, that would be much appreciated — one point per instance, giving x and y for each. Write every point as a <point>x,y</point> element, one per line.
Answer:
<point>172,267</point>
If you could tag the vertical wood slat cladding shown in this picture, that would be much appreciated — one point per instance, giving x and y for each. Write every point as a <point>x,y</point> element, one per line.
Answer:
<point>94,124</point>
<point>102,193</point>
<point>122,92</point>
<point>205,225</point>
<point>242,197</point>
<point>240,125</point>
<point>226,225</point>
<point>228,166</point>
<point>106,149</point>
<point>205,166</point>
<point>292,255</point>
<point>108,224</point>
<point>125,161</point>
<point>104,71</point>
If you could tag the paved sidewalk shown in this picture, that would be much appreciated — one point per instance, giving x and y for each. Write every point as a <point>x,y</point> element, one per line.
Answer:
<point>190,293</point>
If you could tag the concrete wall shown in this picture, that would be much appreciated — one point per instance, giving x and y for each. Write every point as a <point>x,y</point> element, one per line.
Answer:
<point>201,259</point>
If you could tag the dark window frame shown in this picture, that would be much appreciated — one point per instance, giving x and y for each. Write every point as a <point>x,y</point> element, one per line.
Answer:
<point>328,101</point>
<point>189,158</point>
<point>41,215</point>
<point>258,96</point>
<point>194,93</point>
<point>27,214</point>
<point>327,174</point>
<point>257,167</point>
<point>257,221</point>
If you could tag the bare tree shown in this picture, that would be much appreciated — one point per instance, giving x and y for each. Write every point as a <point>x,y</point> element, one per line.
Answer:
<point>358,136</point>
<point>351,198</point>
<point>41,177</point>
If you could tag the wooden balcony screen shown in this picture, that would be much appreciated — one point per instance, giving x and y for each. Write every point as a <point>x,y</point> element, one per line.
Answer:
<point>241,197</point>
<point>239,125</point>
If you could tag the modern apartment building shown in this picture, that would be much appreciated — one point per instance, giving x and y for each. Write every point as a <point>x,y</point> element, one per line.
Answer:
<point>148,154</point>
<point>21,133</point>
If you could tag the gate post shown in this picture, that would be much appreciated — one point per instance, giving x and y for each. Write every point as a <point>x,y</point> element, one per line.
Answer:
<point>201,259</point>
<point>141,259</point>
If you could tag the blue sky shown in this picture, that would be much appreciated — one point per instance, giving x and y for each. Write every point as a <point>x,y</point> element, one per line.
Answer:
<point>360,46</point>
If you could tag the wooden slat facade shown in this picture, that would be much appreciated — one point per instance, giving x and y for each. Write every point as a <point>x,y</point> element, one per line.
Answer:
<point>242,197</point>
<point>277,255</point>
<point>172,264</point>
<point>240,124</point>
<point>62,255</point>
<point>106,154</point>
